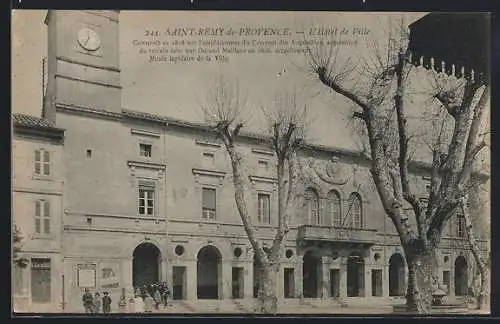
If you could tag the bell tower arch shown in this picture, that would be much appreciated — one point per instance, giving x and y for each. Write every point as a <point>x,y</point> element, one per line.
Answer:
<point>82,61</point>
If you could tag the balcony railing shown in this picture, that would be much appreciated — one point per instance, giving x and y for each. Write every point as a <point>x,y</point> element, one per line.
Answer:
<point>336,234</point>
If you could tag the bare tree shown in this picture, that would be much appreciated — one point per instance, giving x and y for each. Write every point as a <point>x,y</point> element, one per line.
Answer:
<point>223,107</point>
<point>380,99</point>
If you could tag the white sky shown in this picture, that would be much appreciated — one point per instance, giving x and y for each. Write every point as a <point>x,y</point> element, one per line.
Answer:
<point>174,89</point>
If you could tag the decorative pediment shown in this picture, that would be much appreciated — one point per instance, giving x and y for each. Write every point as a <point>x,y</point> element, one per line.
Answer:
<point>146,169</point>
<point>255,180</point>
<point>208,175</point>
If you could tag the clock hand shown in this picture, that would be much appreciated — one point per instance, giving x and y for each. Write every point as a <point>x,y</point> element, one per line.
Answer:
<point>87,40</point>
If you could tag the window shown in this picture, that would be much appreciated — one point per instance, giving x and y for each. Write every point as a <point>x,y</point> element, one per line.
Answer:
<point>146,201</point>
<point>264,215</point>
<point>42,162</point>
<point>460,224</point>
<point>263,165</point>
<point>145,150</point>
<point>209,203</point>
<point>312,206</point>
<point>208,160</point>
<point>355,211</point>
<point>334,208</point>
<point>42,217</point>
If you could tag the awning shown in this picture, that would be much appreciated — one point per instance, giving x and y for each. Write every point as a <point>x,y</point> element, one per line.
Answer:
<point>459,39</point>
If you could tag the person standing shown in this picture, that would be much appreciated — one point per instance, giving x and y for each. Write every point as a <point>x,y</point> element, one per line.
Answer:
<point>106,303</point>
<point>122,304</point>
<point>157,297</point>
<point>97,303</point>
<point>165,293</point>
<point>148,303</point>
<point>139,304</point>
<point>88,301</point>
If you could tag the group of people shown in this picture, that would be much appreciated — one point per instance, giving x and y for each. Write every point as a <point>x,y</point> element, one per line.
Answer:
<point>146,298</point>
<point>94,304</point>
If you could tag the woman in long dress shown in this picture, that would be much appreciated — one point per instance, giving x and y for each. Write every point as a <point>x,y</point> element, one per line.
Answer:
<point>139,304</point>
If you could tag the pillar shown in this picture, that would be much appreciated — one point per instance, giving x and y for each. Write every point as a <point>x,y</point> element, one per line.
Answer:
<point>368,280</point>
<point>226,280</point>
<point>280,293</point>
<point>167,274</point>
<point>325,278</point>
<point>126,279</point>
<point>452,283</point>
<point>343,280</point>
<point>191,280</point>
<point>385,281</point>
<point>248,279</point>
<point>298,277</point>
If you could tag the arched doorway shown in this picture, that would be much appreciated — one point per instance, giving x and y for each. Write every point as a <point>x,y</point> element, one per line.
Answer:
<point>257,271</point>
<point>311,276</point>
<point>209,273</point>
<point>145,265</point>
<point>397,275</point>
<point>460,276</point>
<point>355,275</point>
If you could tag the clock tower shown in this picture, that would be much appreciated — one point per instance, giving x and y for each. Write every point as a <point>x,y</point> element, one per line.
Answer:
<point>83,61</point>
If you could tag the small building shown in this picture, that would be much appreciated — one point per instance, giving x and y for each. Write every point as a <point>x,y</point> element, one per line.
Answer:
<point>37,200</point>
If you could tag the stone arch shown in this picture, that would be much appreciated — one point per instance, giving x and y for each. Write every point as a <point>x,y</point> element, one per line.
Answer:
<point>195,247</point>
<point>209,273</point>
<point>146,264</point>
<point>461,274</point>
<point>311,274</point>
<point>397,275</point>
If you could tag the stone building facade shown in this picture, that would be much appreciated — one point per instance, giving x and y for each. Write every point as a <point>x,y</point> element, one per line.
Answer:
<point>142,197</point>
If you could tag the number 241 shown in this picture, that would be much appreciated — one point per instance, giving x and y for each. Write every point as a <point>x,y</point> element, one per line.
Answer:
<point>152,33</point>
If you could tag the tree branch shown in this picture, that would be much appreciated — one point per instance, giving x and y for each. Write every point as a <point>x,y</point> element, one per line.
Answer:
<point>472,149</point>
<point>403,146</point>
<point>324,78</point>
<point>358,115</point>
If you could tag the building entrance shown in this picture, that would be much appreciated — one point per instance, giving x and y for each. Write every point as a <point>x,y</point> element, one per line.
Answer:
<point>355,275</point>
<point>397,278</point>
<point>209,273</point>
<point>145,265</point>
<point>311,272</point>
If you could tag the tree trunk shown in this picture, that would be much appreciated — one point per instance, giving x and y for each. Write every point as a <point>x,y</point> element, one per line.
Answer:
<point>483,272</point>
<point>268,299</point>
<point>422,267</point>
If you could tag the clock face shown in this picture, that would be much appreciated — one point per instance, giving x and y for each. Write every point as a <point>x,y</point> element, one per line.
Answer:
<point>89,39</point>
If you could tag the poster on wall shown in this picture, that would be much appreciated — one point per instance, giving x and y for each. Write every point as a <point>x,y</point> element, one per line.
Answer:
<point>86,275</point>
<point>109,276</point>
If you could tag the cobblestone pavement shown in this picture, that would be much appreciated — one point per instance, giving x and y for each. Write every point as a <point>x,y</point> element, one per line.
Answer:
<point>299,307</point>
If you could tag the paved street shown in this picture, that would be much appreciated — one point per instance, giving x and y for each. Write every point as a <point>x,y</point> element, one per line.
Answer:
<point>292,306</point>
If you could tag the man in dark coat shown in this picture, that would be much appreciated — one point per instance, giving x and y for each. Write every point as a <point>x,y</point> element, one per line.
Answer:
<point>88,301</point>
<point>106,303</point>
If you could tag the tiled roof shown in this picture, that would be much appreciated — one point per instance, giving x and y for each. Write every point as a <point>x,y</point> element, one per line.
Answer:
<point>32,121</point>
